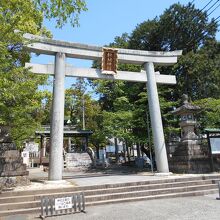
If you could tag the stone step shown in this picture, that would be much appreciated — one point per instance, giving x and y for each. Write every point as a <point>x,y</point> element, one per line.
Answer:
<point>29,201</point>
<point>108,186</point>
<point>121,200</point>
<point>19,212</point>
<point>112,195</point>
<point>148,192</point>
<point>159,196</point>
<point>20,205</point>
<point>33,197</point>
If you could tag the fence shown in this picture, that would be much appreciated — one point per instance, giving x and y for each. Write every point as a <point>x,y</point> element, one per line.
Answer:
<point>69,204</point>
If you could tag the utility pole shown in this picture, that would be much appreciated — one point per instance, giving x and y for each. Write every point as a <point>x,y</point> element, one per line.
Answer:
<point>149,143</point>
<point>83,111</point>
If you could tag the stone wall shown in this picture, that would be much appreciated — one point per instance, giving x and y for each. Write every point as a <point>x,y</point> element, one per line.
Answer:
<point>77,160</point>
<point>13,181</point>
<point>190,157</point>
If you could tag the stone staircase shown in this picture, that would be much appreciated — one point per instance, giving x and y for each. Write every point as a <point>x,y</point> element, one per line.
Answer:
<point>20,202</point>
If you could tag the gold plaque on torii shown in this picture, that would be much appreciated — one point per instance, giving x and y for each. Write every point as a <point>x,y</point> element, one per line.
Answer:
<point>109,60</point>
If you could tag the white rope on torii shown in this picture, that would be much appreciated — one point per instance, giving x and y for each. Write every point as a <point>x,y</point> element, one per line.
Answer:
<point>61,50</point>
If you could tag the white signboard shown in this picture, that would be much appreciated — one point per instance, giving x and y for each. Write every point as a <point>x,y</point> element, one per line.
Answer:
<point>215,145</point>
<point>111,148</point>
<point>25,156</point>
<point>63,203</point>
<point>32,147</point>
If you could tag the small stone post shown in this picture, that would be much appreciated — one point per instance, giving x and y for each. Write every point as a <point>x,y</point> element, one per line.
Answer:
<point>69,144</point>
<point>43,146</point>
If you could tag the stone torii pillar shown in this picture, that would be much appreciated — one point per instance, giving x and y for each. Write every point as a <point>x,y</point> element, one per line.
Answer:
<point>57,122</point>
<point>61,49</point>
<point>156,121</point>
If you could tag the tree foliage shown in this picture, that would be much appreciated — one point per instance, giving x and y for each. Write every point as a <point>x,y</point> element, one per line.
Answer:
<point>20,100</point>
<point>183,27</point>
<point>180,27</point>
<point>209,115</point>
<point>62,11</point>
<point>198,73</point>
<point>78,100</point>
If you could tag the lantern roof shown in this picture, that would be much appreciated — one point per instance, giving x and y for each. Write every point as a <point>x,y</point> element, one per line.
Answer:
<point>187,107</point>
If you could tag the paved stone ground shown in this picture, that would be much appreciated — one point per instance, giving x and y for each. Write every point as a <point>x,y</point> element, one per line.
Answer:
<point>95,177</point>
<point>188,208</point>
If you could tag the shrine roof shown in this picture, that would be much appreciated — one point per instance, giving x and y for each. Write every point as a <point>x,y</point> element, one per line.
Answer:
<point>67,132</point>
<point>212,130</point>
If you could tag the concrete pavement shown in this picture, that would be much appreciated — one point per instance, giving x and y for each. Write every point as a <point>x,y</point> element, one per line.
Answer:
<point>196,208</point>
<point>83,178</point>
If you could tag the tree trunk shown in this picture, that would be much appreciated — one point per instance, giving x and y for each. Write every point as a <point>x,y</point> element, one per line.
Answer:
<point>97,151</point>
<point>124,151</point>
<point>138,150</point>
<point>128,153</point>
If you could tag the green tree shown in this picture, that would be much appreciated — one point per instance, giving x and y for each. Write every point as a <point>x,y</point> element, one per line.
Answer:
<point>209,115</point>
<point>78,100</point>
<point>61,11</point>
<point>198,74</point>
<point>94,122</point>
<point>183,27</point>
<point>20,100</point>
<point>45,111</point>
<point>180,27</point>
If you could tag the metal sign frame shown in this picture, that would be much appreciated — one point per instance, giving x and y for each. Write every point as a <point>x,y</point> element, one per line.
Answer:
<point>49,205</point>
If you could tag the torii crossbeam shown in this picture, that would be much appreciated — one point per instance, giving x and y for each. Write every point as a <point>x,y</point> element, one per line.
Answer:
<point>61,50</point>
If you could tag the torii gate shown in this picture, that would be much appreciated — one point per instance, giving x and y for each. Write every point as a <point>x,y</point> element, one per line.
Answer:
<point>61,50</point>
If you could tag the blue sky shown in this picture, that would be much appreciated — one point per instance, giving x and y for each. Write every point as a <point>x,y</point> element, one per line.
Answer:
<point>106,19</point>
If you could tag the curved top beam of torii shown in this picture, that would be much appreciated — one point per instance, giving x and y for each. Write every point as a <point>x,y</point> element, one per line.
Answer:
<point>48,46</point>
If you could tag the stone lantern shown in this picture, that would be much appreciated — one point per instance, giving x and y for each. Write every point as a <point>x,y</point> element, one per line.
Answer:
<point>187,120</point>
<point>188,156</point>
